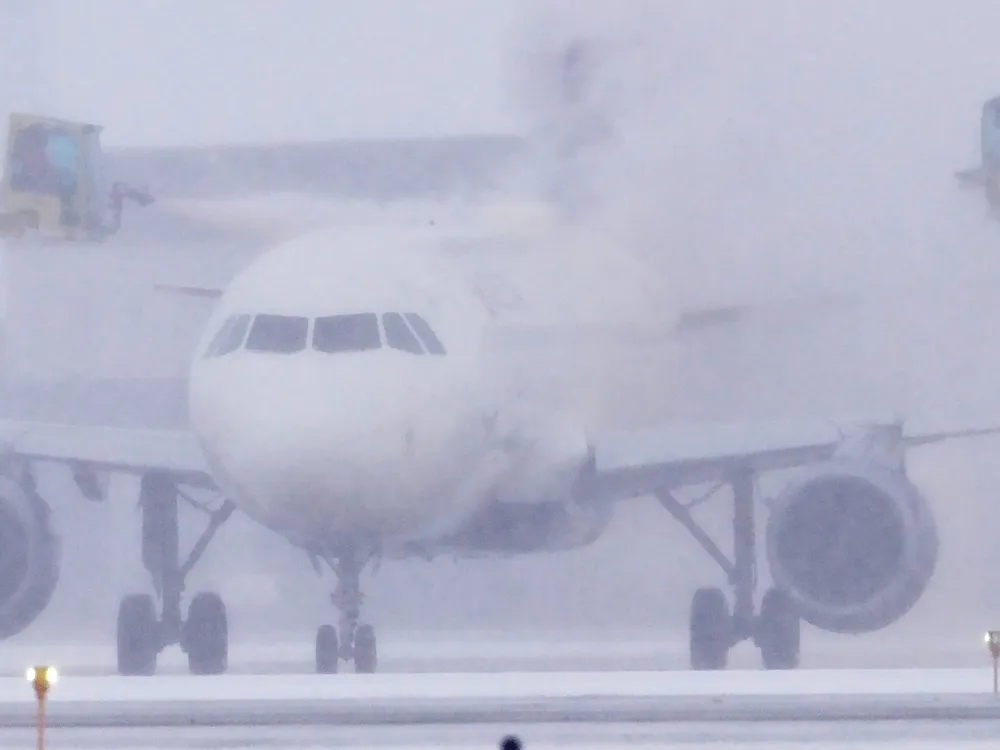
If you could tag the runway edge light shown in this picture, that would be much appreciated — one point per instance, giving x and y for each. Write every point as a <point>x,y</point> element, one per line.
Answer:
<point>992,639</point>
<point>41,678</point>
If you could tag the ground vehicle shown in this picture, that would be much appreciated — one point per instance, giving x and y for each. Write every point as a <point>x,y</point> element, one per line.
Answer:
<point>54,182</point>
<point>987,175</point>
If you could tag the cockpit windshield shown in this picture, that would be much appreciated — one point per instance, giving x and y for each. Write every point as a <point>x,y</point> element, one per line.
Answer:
<point>398,335</point>
<point>331,334</point>
<point>426,333</point>
<point>346,333</point>
<point>280,334</point>
<point>406,332</point>
<point>229,336</point>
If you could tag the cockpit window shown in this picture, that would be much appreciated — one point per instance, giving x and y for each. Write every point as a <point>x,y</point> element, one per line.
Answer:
<point>347,333</point>
<point>280,334</point>
<point>215,344</point>
<point>398,335</point>
<point>229,337</point>
<point>426,334</point>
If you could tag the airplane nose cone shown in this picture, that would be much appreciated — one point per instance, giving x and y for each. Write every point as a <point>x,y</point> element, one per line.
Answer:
<point>313,456</point>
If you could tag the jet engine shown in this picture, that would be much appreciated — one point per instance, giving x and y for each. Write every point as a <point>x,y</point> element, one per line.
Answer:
<point>29,557</point>
<point>854,543</point>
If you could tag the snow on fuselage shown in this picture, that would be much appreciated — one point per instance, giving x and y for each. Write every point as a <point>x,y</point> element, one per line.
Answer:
<point>338,397</point>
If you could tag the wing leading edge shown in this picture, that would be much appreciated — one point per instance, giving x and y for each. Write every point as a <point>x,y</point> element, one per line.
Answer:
<point>638,462</point>
<point>129,426</point>
<point>70,431</point>
<point>118,449</point>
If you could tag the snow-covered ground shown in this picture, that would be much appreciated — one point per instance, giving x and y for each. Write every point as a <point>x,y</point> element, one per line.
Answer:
<point>490,652</point>
<point>534,686</point>
<point>745,736</point>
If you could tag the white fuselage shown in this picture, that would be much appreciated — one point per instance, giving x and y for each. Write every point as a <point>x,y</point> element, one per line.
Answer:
<point>364,443</point>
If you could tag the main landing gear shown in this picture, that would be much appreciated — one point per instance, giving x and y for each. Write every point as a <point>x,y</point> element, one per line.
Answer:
<point>713,629</point>
<point>357,641</point>
<point>143,632</point>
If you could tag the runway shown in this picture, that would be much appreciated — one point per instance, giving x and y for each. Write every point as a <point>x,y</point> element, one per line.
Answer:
<point>491,687</point>
<point>753,736</point>
<point>482,651</point>
<point>518,697</point>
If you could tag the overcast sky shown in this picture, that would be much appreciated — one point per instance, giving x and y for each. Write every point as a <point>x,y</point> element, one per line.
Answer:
<point>162,71</point>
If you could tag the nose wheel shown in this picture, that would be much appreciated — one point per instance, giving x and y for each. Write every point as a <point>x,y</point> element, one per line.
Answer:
<point>354,642</point>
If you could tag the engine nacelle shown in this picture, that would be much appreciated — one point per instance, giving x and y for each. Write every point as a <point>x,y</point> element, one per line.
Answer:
<point>854,543</point>
<point>29,557</point>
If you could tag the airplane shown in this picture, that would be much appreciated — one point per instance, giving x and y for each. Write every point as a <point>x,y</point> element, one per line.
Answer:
<point>339,395</point>
<point>987,175</point>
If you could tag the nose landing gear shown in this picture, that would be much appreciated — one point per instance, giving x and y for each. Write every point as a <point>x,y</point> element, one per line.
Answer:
<point>356,641</point>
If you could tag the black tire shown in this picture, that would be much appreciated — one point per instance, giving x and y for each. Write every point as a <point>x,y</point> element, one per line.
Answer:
<point>365,650</point>
<point>138,636</point>
<point>205,636</point>
<point>711,630</point>
<point>779,631</point>
<point>327,650</point>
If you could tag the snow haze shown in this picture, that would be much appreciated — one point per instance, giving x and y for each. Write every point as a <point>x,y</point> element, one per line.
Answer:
<point>767,152</point>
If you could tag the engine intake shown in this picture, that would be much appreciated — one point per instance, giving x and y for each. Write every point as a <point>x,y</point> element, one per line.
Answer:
<point>855,545</point>
<point>29,557</point>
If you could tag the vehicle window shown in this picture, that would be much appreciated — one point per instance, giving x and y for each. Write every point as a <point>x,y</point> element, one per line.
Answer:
<point>44,160</point>
<point>426,334</point>
<point>346,333</point>
<point>280,334</point>
<point>398,335</point>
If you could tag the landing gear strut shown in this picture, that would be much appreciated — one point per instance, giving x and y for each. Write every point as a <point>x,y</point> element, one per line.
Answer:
<point>713,629</point>
<point>356,641</point>
<point>143,632</point>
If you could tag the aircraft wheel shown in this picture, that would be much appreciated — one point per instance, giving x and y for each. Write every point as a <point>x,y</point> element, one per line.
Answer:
<point>365,650</point>
<point>138,635</point>
<point>711,630</point>
<point>205,635</point>
<point>778,631</point>
<point>327,650</point>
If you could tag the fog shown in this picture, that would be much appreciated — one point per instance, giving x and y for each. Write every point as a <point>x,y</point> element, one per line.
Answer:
<point>771,153</point>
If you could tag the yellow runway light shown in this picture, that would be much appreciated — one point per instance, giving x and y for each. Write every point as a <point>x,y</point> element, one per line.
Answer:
<point>41,679</point>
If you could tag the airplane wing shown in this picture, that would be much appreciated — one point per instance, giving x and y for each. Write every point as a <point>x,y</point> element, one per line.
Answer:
<point>639,462</point>
<point>121,425</point>
<point>132,426</point>
<point>121,449</point>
